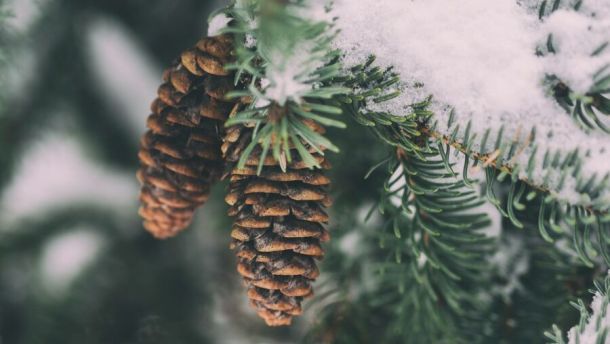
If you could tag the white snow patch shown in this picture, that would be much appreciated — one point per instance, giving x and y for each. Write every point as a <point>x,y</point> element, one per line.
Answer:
<point>450,46</point>
<point>494,230</point>
<point>124,69</point>
<point>288,73</point>
<point>566,247</point>
<point>251,23</point>
<point>66,256</point>
<point>56,172</point>
<point>350,243</point>
<point>596,8</point>
<point>576,36</point>
<point>422,260</point>
<point>292,58</point>
<point>217,24</point>
<point>285,83</point>
<point>26,12</point>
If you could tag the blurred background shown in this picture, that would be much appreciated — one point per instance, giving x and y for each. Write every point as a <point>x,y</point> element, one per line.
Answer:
<point>75,264</point>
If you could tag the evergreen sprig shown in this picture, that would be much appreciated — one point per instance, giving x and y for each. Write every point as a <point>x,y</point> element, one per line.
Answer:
<point>434,241</point>
<point>431,260</point>
<point>432,236</point>
<point>286,65</point>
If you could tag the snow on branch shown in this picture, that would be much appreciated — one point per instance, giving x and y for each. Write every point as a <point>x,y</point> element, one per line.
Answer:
<point>481,62</point>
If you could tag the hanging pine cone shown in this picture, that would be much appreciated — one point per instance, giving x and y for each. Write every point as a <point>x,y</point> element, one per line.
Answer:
<point>180,154</point>
<point>278,227</point>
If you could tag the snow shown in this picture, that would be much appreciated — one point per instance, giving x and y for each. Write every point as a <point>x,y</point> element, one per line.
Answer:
<point>124,70</point>
<point>289,70</point>
<point>576,36</point>
<point>597,322</point>
<point>66,256</point>
<point>286,78</point>
<point>26,12</point>
<point>478,57</point>
<point>350,243</point>
<point>445,47</point>
<point>291,57</point>
<point>55,173</point>
<point>596,8</point>
<point>217,24</point>
<point>396,198</point>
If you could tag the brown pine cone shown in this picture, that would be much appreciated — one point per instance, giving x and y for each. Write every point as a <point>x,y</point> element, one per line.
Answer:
<point>180,154</point>
<point>279,226</point>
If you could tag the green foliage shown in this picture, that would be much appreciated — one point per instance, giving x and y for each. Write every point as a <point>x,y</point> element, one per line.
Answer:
<point>428,216</point>
<point>431,264</point>
<point>587,227</point>
<point>292,56</point>
<point>431,257</point>
<point>408,299</point>
<point>435,248</point>
<point>587,108</point>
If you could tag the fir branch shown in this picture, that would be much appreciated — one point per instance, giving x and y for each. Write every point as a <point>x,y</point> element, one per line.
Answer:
<point>430,261</point>
<point>432,232</point>
<point>505,166</point>
<point>585,225</point>
<point>436,215</point>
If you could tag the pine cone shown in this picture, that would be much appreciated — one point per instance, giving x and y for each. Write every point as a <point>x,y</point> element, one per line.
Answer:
<point>278,226</point>
<point>180,154</point>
